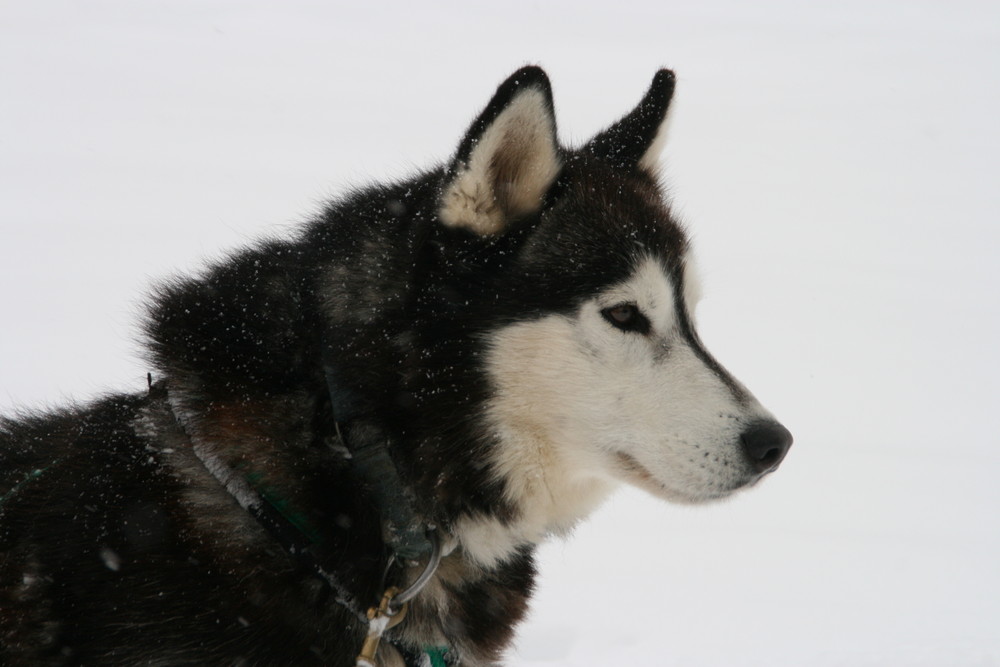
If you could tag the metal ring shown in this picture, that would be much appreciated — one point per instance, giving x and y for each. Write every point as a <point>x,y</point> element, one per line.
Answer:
<point>432,565</point>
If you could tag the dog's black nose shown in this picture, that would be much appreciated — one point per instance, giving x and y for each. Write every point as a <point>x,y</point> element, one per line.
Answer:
<point>766,443</point>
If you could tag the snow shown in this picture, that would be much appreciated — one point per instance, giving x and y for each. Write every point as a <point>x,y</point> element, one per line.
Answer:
<point>111,559</point>
<point>836,163</point>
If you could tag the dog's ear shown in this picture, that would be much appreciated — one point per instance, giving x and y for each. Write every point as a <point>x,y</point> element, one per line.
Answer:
<point>636,140</point>
<point>508,159</point>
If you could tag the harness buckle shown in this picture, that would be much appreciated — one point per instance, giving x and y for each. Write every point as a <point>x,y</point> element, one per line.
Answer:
<point>380,619</point>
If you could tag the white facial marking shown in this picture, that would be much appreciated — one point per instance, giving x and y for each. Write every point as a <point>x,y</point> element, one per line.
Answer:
<point>580,404</point>
<point>692,283</point>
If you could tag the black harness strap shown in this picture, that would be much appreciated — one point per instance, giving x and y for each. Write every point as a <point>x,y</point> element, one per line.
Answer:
<point>403,531</point>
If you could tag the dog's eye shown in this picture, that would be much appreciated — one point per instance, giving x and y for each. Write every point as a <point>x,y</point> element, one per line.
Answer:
<point>627,317</point>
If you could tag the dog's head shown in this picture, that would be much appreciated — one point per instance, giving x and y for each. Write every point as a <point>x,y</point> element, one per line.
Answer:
<point>595,366</point>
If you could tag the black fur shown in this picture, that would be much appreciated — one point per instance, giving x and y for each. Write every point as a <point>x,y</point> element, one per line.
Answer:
<point>623,144</point>
<point>117,546</point>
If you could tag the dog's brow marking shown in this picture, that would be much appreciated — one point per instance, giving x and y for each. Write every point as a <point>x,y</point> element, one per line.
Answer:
<point>739,393</point>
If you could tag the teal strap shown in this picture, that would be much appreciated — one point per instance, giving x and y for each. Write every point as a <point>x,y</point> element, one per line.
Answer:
<point>28,477</point>
<point>435,655</point>
<point>283,507</point>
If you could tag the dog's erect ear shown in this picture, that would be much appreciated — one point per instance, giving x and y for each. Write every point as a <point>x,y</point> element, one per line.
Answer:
<point>637,139</point>
<point>508,159</point>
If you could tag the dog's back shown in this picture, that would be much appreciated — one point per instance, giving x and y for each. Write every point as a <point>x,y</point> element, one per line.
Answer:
<point>116,547</point>
<point>78,493</point>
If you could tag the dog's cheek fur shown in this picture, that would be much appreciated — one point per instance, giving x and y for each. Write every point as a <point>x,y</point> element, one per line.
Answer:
<point>538,370</point>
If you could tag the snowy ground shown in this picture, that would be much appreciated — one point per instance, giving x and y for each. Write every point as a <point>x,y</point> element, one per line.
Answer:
<point>837,163</point>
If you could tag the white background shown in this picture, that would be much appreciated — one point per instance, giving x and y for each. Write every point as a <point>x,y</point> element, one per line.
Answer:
<point>836,163</point>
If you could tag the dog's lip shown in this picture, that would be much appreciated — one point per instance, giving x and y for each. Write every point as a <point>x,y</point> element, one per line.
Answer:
<point>639,475</point>
<point>631,467</point>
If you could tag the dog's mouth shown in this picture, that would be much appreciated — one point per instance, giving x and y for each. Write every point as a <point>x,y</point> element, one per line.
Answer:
<point>638,475</point>
<point>635,470</point>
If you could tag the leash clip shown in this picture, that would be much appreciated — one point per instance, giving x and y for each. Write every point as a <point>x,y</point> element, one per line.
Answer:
<point>380,619</point>
<point>394,604</point>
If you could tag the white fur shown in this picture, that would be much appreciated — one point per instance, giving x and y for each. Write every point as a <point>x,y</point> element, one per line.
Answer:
<point>581,405</point>
<point>650,160</point>
<point>692,283</point>
<point>523,139</point>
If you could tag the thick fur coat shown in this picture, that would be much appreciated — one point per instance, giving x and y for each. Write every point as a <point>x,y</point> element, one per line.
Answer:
<point>514,328</point>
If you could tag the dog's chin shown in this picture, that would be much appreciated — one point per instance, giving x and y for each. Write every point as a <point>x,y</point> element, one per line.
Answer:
<point>634,473</point>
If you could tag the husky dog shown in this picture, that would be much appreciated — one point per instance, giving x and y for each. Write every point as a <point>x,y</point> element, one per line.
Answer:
<point>409,394</point>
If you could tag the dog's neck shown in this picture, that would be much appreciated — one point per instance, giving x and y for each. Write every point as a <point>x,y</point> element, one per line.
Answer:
<point>552,497</point>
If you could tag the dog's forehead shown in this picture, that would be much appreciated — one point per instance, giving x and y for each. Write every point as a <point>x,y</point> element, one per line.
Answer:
<point>608,224</point>
<point>600,227</point>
